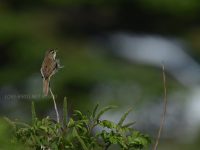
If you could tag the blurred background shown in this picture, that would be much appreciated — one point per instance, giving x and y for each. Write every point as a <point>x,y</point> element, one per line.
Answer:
<point>112,53</point>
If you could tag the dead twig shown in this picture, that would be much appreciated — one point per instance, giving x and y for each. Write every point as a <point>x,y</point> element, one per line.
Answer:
<point>164,109</point>
<point>55,106</point>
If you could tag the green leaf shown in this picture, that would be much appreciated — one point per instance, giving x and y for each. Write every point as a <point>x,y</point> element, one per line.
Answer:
<point>102,111</point>
<point>124,117</point>
<point>94,111</point>
<point>79,139</point>
<point>44,128</point>
<point>138,140</point>
<point>78,113</point>
<point>71,123</point>
<point>108,124</point>
<point>128,124</point>
<point>113,139</point>
<point>10,122</point>
<point>122,142</point>
<point>65,112</point>
<point>33,112</point>
<point>22,124</point>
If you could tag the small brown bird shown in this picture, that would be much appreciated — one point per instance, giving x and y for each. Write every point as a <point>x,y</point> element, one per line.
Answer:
<point>49,67</point>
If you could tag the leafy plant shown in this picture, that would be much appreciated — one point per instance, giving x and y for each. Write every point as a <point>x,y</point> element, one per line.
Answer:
<point>80,131</point>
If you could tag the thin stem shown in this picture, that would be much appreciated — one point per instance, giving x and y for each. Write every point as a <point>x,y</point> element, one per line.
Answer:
<point>55,106</point>
<point>164,109</point>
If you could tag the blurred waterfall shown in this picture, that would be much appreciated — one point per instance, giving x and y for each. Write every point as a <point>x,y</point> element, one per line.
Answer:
<point>157,50</point>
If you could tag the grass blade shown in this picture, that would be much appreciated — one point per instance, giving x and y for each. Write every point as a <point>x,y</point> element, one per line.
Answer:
<point>10,122</point>
<point>33,112</point>
<point>121,121</point>
<point>103,111</point>
<point>94,111</point>
<point>128,124</point>
<point>80,140</point>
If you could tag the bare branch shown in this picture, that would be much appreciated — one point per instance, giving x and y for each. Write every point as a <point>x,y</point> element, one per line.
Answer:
<point>164,109</point>
<point>55,106</point>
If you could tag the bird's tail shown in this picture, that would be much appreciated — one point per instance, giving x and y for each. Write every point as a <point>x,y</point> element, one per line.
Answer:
<point>45,86</point>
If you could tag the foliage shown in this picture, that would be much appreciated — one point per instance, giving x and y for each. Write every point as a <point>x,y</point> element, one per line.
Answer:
<point>6,133</point>
<point>80,131</point>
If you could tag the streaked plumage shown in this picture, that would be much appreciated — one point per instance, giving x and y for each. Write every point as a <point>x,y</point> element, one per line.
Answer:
<point>49,67</point>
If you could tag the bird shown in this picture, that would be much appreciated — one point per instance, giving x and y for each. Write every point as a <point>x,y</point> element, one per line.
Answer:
<point>50,66</point>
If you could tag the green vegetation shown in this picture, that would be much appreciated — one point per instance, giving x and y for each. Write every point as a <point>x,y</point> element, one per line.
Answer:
<point>79,131</point>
